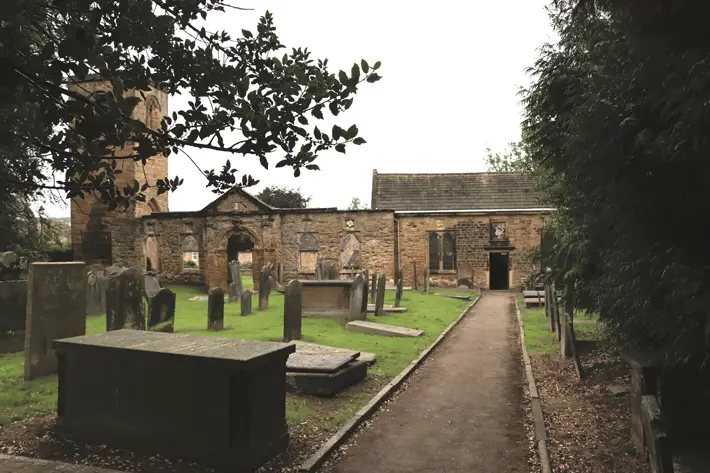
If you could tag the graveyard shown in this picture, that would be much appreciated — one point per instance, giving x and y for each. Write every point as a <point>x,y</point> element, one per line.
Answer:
<point>29,406</point>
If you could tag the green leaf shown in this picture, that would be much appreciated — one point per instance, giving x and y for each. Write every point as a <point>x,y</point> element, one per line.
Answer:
<point>352,133</point>
<point>302,120</point>
<point>317,112</point>
<point>359,141</point>
<point>355,74</point>
<point>373,78</point>
<point>282,163</point>
<point>247,34</point>
<point>365,66</point>
<point>340,148</point>
<point>333,106</point>
<point>317,133</point>
<point>264,162</point>
<point>337,132</point>
<point>312,167</point>
<point>343,77</point>
<point>377,65</point>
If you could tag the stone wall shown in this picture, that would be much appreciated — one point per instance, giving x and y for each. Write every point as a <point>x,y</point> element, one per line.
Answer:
<point>374,230</point>
<point>237,202</point>
<point>473,244</point>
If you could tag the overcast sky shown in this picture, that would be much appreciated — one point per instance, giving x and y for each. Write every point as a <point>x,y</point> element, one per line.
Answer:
<point>451,73</point>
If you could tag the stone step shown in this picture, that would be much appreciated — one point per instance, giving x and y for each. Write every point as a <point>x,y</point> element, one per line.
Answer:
<point>374,328</point>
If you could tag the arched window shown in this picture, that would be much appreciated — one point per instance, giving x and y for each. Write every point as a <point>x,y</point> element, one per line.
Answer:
<point>190,253</point>
<point>153,112</point>
<point>442,251</point>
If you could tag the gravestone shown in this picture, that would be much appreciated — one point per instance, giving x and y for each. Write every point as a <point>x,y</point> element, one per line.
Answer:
<point>380,299</point>
<point>415,285</point>
<point>272,276</point>
<point>293,311</point>
<point>398,293</point>
<point>319,269</point>
<point>124,300</point>
<point>357,290</point>
<point>373,287</point>
<point>161,311</point>
<point>215,309</point>
<point>235,287</point>
<point>426,281</point>
<point>264,288</point>
<point>365,290</point>
<point>151,286</point>
<point>56,308</point>
<point>331,270</point>
<point>246,302</point>
<point>95,295</point>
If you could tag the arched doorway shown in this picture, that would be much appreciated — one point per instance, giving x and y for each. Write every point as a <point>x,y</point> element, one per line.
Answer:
<point>236,244</point>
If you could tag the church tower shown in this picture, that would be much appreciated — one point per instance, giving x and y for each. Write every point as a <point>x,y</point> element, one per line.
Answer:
<point>90,220</point>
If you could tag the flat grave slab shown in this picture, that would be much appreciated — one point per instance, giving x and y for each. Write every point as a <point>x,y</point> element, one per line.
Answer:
<point>327,384</point>
<point>307,348</point>
<point>455,296</point>
<point>373,328</point>
<point>534,294</point>
<point>318,363</point>
<point>388,309</point>
<point>198,298</point>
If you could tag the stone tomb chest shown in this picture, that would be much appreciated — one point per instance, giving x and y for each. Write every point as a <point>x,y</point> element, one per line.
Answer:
<point>208,399</point>
<point>328,298</point>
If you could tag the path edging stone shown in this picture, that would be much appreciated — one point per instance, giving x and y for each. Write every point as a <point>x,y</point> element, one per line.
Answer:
<point>316,460</point>
<point>535,404</point>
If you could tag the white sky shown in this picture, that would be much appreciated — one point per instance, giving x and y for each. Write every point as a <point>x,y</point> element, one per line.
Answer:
<point>451,72</point>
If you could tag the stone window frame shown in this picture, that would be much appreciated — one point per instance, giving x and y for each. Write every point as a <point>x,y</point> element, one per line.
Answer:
<point>441,236</point>
<point>311,246</point>
<point>186,269</point>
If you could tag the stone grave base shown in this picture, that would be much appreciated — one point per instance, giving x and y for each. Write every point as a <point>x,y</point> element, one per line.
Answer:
<point>326,384</point>
<point>455,296</point>
<point>306,348</point>
<point>388,309</point>
<point>373,328</point>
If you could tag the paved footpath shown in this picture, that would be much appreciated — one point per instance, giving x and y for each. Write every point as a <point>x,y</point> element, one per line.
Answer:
<point>463,409</point>
<point>14,464</point>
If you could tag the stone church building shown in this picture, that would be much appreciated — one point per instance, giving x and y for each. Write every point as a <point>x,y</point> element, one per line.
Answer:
<point>469,228</point>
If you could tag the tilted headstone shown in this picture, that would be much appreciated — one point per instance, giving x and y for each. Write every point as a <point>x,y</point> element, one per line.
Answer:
<point>357,290</point>
<point>331,270</point>
<point>415,285</point>
<point>264,288</point>
<point>398,293</point>
<point>246,302</point>
<point>426,281</point>
<point>215,309</point>
<point>235,287</point>
<point>161,311</point>
<point>95,295</point>
<point>151,286</point>
<point>380,299</point>
<point>293,310</point>
<point>56,308</point>
<point>373,287</point>
<point>125,306</point>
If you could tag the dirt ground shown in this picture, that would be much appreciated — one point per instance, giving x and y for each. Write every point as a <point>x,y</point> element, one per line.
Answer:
<point>463,410</point>
<point>589,428</point>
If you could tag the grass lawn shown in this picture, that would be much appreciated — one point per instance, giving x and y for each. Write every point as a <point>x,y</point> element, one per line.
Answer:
<point>539,339</point>
<point>20,399</point>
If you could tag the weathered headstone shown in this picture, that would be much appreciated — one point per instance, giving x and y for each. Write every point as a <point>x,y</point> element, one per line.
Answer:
<point>95,295</point>
<point>264,288</point>
<point>56,308</point>
<point>151,286</point>
<point>380,299</point>
<point>427,289</point>
<point>161,311</point>
<point>373,287</point>
<point>272,276</point>
<point>331,270</point>
<point>124,300</point>
<point>398,293</point>
<point>365,290</point>
<point>415,284</point>
<point>357,290</point>
<point>235,287</point>
<point>215,309</point>
<point>293,311</point>
<point>319,268</point>
<point>246,302</point>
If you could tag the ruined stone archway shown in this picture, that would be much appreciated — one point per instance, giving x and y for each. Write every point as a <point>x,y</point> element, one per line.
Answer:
<point>242,239</point>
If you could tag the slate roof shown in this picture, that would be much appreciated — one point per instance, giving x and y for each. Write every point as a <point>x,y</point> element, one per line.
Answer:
<point>461,191</point>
